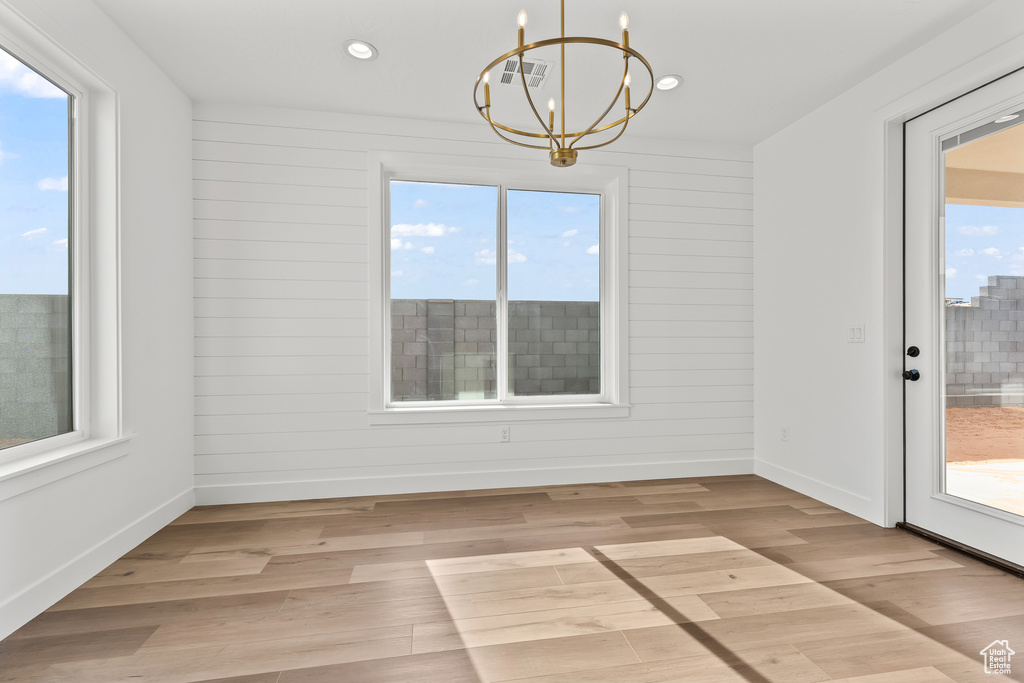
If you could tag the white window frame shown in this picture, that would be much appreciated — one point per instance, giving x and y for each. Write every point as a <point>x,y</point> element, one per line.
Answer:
<point>93,185</point>
<point>609,182</point>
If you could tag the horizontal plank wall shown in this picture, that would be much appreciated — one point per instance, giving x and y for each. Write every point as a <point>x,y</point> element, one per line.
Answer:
<point>281,306</point>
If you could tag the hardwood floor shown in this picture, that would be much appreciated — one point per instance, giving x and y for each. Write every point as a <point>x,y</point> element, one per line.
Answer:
<point>712,579</point>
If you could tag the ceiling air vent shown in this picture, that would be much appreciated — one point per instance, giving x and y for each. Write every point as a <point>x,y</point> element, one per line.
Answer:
<point>535,70</point>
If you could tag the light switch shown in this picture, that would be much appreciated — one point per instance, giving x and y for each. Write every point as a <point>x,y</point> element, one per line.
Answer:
<point>855,334</point>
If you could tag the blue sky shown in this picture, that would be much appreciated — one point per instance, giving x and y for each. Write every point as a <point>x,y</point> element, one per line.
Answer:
<point>33,182</point>
<point>981,241</point>
<point>443,243</point>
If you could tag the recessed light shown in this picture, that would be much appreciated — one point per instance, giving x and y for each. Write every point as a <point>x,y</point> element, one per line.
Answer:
<point>1008,117</point>
<point>360,49</point>
<point>668,82</point>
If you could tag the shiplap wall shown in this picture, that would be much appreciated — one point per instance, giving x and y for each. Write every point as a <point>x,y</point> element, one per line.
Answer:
<point>281,305</point>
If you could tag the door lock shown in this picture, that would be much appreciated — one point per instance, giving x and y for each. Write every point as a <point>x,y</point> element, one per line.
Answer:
<point>912,375</point>
<point>913,352</point>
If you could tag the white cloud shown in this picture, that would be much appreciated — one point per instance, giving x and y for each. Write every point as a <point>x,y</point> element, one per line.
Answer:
<point>486,257</point>
<point>31,234</point>
<point>421,230</point>
<point>570,233</point>
<point>7,155</point>
<point>61,244</point>
<point>396,243</point>
<point>993,252</point>
<point>968,252</point>
<point>950,272</point>
<point>596,249</point>
<point>17,77</point>
<point>419,203</point>
<point>397,273</point>
<point>427,250</point>
<point>59,184</point>
<point>472,282</point>
<point>981,278</point>
<point>979,231</point>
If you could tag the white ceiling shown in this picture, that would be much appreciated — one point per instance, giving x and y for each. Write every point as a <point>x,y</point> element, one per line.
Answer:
<point>751,67</point>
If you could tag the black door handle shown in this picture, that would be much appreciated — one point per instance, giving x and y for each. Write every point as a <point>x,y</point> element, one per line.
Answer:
<point>912,375</point>
<point>913,352</point>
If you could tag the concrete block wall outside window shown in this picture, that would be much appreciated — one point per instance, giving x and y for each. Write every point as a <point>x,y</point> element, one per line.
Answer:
<point>34,367</point>
<point>985,346</point>
<point>444,349</point>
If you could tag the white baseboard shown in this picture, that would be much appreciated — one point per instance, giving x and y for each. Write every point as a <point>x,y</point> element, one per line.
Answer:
<point>819,490</point>
<point>33,600</point>
<point>221,494</point>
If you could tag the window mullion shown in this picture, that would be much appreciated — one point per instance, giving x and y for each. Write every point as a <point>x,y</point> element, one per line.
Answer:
<point>501,311</point>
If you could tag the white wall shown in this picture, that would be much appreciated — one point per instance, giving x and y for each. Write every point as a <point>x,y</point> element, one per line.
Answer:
<point>828,254</point>
<point>54,537</point>
<point>281,307</point>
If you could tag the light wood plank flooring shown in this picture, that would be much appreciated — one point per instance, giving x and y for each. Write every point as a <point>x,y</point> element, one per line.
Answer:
<point>710,579</point>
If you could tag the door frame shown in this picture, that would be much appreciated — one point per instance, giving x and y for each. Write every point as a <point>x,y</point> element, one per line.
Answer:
<point>961,81</point>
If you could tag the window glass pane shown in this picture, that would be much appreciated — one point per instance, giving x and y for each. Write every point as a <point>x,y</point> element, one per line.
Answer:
<point>35,321</point>
<point>554,285</point>
<point>443,291</point>
<point>984,308</point>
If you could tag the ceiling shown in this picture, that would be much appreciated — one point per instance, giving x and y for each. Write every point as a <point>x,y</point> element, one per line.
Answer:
<point>988,171</point>
<point>750,67</point>
<point>1002,152</point>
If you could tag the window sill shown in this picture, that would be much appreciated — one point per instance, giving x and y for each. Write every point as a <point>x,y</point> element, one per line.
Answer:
<point>45,467</point>
<point>496,413</point>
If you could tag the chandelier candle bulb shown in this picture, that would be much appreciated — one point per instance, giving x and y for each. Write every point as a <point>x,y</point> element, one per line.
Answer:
<point>626,83</point>
<point>521,20</point>
<point>551,115</point>
<point>487,88</point>
<point>624,25</point>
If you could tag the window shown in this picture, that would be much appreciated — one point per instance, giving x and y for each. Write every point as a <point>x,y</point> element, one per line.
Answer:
<point>35,268</point>
<point>59,267</point>
<point>499,294</point>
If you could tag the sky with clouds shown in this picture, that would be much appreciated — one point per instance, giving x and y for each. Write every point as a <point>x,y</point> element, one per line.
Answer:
<point>444,246</point>
<point>981,241</point>
<point>33,182</point>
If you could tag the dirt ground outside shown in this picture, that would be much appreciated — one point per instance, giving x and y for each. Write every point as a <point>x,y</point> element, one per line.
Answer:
<point>985,456</point>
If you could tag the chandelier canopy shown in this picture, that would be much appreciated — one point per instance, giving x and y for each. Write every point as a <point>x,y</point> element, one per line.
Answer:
<point>562,144</point>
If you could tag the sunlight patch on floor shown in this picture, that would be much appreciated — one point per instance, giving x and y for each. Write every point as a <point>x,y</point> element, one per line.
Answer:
<point>636,614</point>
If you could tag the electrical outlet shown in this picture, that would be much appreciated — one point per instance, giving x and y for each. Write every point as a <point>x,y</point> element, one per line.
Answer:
<point>504,434</point>
<point>784,433</point>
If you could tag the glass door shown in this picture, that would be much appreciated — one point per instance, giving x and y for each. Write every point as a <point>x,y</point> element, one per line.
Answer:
<point>964,320</point>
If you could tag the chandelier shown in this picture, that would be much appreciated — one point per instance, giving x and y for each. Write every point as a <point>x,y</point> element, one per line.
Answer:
<point>561,143</point>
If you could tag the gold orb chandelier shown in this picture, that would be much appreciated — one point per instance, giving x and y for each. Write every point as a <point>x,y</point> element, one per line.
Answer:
<point>561,144</point>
